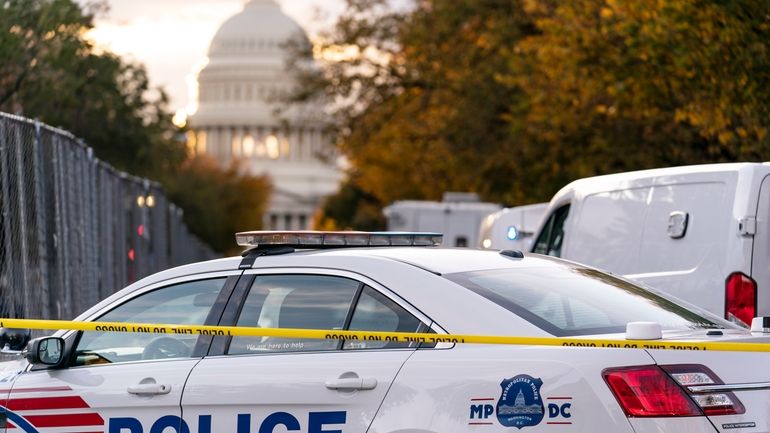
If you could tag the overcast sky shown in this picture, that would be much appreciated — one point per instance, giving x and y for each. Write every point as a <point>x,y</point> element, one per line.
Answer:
<point>171,37</point>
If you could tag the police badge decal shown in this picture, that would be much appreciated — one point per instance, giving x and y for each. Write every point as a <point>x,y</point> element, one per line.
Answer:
<point>520,404</point>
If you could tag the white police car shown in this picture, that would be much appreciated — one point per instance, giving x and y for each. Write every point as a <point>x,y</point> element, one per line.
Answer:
<point>149,383</point>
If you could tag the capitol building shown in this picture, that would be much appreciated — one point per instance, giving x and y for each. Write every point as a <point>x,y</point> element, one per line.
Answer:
<point>240,116</point>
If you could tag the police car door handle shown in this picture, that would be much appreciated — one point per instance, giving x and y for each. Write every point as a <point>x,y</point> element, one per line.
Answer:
<point>149,389</point>
<point>352,383</point>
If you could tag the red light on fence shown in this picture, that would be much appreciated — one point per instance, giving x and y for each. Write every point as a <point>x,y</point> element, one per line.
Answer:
<point>131,254</point>
<point>140,230</point>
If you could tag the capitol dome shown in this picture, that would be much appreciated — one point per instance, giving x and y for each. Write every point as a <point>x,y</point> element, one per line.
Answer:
<point>259,29</point>
<point>241,117</point>
<point>246,72</point>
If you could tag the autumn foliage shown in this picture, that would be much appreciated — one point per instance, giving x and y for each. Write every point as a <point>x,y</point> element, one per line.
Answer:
<point>50,71</point>
<point>515,98</point>
<point>218,202</point>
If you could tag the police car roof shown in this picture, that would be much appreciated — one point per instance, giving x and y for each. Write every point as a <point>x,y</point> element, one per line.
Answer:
<point>436,260</point>
<point>411,271</point>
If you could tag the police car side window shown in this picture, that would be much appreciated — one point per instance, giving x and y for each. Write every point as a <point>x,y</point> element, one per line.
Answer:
<point>294,301</point>
<point>375,312</point>
<point>181,304</point>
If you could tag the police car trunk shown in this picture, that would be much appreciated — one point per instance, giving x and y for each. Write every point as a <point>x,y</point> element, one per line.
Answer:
<point>731,388</point>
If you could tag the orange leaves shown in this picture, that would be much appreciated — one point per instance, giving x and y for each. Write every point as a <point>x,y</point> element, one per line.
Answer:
<point>675,66</point>
<point>515,98</point>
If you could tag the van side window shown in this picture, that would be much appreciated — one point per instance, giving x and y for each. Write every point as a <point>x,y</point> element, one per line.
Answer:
<point>550,240</point>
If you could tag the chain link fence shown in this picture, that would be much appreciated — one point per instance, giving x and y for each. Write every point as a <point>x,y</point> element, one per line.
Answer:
<point>73,230</point>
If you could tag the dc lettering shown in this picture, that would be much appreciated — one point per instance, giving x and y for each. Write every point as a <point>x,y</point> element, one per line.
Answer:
<point>559,410</point>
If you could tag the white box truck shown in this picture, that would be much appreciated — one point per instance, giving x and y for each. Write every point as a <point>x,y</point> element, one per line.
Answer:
<point>700,233</point>
<point>458,216</point>
<point>512,228</point>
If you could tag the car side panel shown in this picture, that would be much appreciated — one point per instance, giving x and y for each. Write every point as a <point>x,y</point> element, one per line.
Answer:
<point>98,398</point>
<point>10,369</point>
<point>668,425</point>
<point>732,368</point>
<point>256,393</point>
<point>464,389</point>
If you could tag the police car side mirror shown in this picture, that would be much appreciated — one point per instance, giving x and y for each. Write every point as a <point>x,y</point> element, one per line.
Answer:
<point>47,351</point>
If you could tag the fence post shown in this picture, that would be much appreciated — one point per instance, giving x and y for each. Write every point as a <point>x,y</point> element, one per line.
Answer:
<point>42,281</point>
<point>61,235</point>
<point>23,227</point>
<point>6,272</point>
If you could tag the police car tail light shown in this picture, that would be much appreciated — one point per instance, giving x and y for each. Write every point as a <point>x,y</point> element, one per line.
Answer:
<point>740,298</point>
<point>321,239</point>
<point>700,381</point>
<point>647,391</point>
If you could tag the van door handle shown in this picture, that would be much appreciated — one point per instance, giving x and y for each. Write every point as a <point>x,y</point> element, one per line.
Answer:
<point>352,383</point>
<point>149,389</point>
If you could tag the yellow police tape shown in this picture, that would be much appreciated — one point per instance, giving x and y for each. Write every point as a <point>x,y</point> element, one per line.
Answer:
<point>241,331</point>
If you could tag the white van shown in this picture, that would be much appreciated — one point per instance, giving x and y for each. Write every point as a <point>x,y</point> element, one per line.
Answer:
<point>458,216</point>
<point>512,228</point>
<point>701,233</point>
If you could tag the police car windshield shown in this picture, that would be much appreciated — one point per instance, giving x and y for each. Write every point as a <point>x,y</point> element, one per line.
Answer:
<point>567,300</point>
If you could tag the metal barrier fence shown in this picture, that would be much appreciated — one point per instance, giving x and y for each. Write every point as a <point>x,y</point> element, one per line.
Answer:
<point>72,228</point>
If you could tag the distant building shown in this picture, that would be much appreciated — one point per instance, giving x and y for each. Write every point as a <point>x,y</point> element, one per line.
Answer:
<point>458,216</point>
<point>237,115</point>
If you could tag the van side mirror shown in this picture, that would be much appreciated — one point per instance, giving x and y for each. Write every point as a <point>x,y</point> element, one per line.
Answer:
<point>47,351</point>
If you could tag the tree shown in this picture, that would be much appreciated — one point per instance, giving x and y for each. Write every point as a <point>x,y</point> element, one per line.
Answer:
<point>513,99</point>
<point>615,86</point>
<point>351,208</point>
<point>418,107</point>
<point>218,203</point>
<point>34,35</point>
<point>50,72</point>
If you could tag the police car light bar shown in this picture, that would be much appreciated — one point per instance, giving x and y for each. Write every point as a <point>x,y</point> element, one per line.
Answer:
<point>323,239</point>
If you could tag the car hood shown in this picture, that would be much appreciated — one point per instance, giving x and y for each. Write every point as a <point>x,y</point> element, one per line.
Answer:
<point>11,366</point>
